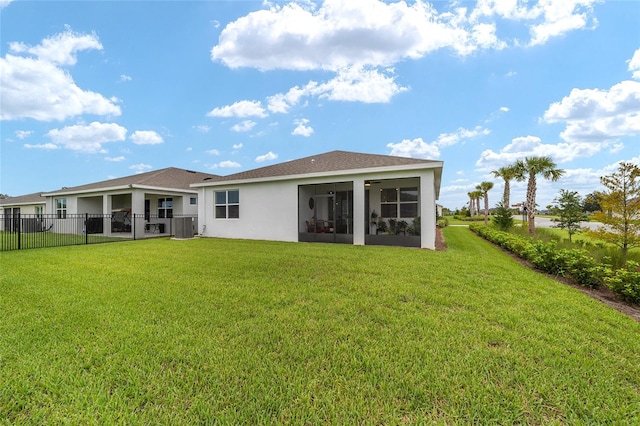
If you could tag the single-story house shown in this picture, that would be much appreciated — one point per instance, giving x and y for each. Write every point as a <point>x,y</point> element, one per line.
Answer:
<point>150,198</point>
<point>12,207</point>
<point>338,196</point>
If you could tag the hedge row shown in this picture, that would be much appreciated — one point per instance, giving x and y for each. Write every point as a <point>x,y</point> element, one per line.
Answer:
<point>574,264</point>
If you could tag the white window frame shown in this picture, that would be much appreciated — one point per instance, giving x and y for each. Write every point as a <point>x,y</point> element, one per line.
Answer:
<point>61,208</point>
<point>225,209</point>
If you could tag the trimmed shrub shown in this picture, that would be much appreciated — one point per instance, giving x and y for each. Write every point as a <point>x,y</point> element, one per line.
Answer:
<point>626,282</point>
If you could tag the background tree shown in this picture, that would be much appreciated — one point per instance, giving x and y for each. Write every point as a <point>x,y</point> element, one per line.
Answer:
<point>591,202</point>
<point>569,209</point>
<point>620,213</point>
<point>507,173</point>
<point>485,187</point>
<point>477,195</point>
<point>502,217</point>
<point>472,201</point>
<point>529,169</point>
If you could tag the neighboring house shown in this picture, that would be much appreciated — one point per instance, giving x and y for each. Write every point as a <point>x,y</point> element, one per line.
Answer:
<point>12,207</point>
<point>328,197</point>
<point>151,199</point>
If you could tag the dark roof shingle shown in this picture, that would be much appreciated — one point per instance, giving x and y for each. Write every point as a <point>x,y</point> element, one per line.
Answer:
<point>328,162</point>
<point>171,177</point>
<point>35,198</point>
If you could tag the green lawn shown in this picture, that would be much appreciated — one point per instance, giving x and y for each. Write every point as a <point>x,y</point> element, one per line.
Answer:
<point>245,332</point>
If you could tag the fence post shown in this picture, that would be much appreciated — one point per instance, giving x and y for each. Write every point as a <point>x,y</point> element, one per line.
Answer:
<point>19,230</point>
<point>135,219</point>
<point>86,231</point>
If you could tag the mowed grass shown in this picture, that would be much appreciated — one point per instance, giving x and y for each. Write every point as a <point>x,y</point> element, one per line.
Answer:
<point>248,332</point>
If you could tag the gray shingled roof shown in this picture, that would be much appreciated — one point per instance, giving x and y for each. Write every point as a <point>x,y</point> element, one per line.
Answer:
<point>34,198</point>
<point>328,162</point>
<point>171,177</point>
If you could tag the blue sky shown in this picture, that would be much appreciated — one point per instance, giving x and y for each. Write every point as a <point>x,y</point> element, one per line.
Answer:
<point>96,90</point>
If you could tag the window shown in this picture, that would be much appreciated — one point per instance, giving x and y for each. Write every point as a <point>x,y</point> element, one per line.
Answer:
<point>165,208</point>
<point>39,212</point>
<point>408,202</point>
<point>61,208</point>
<point>399,202</point>
<point>389,202</point>
<point>227,204</point>
<point>193,201</point>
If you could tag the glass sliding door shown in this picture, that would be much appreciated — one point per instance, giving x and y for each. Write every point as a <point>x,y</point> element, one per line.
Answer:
<point>326,212</point>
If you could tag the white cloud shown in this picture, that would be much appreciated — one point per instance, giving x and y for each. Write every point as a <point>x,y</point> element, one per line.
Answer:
<point>356,84</point>
<point>282,102</point>
<point>616,147</point>
<point>46,146</point>
<point>124,77</point>
<point>23,134</point>
<point>4,3</point>
<point>351,84</point>
<point>114,159</point>
<point>146,137</point>
<point>213,152</point>
<point>341,34</point>
<point>202,128</point>
<point>266,157</point>
<point>139,168</point>
<point>239,109</point>
<point>598,115</point>
<point>560,17</point>
<point>532,146</point>
<point>634,65</point>
<point>504,109</point>
<point>301,128</point>
<point>39,88</point>
<point>244,126</point>
<point>225,165</point>
<point>359,40</point>
<point>89,138</point>
<point>418,148</point>
<point>338,34</point>
<point>462,134</point>
<point>61,48</point>
<point>415,148</point>
<point>237,146</point>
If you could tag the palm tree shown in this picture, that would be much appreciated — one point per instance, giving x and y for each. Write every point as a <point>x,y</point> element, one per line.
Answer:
<point>485,187</point>
<point>471,202</point>
<point>529,169</point>
<point>477,194</point>
<point>507,173</point>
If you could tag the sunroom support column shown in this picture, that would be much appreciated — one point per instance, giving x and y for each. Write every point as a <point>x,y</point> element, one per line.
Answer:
<point>427,210</point>
<point>137,212</point>
<point>358,212</point>
<point>106,211</point>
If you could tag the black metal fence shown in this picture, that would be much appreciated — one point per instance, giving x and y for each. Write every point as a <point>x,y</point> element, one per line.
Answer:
<point>26,231</point>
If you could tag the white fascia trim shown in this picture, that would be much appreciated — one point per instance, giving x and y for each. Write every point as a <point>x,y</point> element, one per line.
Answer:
<point>120,188</point>
<point>24,203</point>
<point>86,191</point>
<point>165,190</point>
<point>349,172</point>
